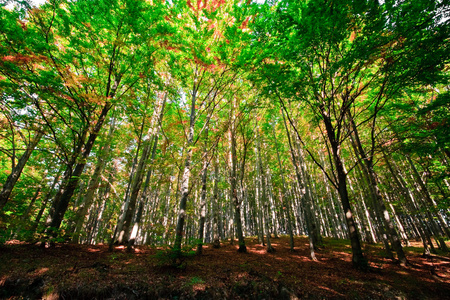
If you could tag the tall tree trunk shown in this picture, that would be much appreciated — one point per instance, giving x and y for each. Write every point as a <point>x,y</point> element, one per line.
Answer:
<point>430,203</point>
<point>264,203</point>
<point>179,231</point>
<point>74,179</point>
<point>410,203</point>
<point>215,205</point>
<point>17,170</point>
<point>44,203</point>
<point>308,199</point>
<point>341,183</point>
<point>233,181</point>
<point>201,226</point>
<point>151,136</point>
<point>124,208</point>
<point>135,229</point>
<point>93,185</point>
<point>377,198</point>
<point>304,195</point>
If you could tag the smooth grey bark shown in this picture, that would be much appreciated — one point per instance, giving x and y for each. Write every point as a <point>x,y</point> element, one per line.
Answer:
<point>93,185</point>
<point>309,198</point>
<point>135,229</point>
<point>179,231</point>
<point>272,206</point>
<point>148,143</point>
<point>11,180</point>
<point>430,202</point>
<point>215,205</point>
<point>263,193</point>
<point>305,200</point>
<point>124,207</point>
<point>400,222</point>
<point>410,204</point>
<point>144,195</point>
<point>233,181</point>
<point>201,226</point>
<point>377,199</point>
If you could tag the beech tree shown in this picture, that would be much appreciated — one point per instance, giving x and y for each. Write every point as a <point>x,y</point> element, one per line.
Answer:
<point>181,123</point>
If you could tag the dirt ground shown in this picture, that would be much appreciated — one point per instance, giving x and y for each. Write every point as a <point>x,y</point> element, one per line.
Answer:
<point>69,271</point>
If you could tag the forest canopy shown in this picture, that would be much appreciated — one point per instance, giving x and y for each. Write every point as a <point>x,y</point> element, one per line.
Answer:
<point>190,122</point>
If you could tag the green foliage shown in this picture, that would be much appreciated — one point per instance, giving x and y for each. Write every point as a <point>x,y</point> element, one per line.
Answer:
<point>195,280</point>
<point>177,258</point>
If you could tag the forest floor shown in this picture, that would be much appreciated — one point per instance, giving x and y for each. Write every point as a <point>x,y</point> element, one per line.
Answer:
<point>69,271</point>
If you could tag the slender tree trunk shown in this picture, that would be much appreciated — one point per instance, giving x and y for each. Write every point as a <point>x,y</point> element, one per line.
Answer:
<point>304,195</point>
<point>44,203</point>
<point>124,208</point>
<point>309,200</point>
<point>410,204</point>
<point>430,203</point>
<point>17,170</point>
<point>263,195</point>
<point>135,229</point>
<point>341,183</point>
<point>377,198</point>
<point>92,186</point>
<point>140,171</point>
<point>233,182</point>
<point>75,177</point>
<point>215,205</point>
<point>179,232</point>
<point>201,226</point>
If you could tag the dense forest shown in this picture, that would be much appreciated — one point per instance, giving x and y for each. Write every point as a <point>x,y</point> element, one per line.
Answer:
<point>186,123</point>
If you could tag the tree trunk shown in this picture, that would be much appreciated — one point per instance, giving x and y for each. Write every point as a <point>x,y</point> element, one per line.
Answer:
<point>430,203</point>
<point>410,204</point>
<point>151,136</point>
<point>186,176</point>
<point>92,186</point>
<point>17,170</point>
<point>358,259</point>
<point>304,195</point>
<point>215,205</point>
<point>44,203</point>
<point>201,226</point>
<point>233,182</point>
<point>377,198</point>
<point>72,183</point>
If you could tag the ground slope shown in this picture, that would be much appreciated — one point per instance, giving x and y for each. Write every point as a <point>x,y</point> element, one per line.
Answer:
<point>86,272</point>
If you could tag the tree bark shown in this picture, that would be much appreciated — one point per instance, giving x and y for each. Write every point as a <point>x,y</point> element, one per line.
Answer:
<point>304,195</point>
<point>233,182</point>
<point>129,212</point>
<point>215,205</point>
<point>201,226</point>
<point>17,170</point>
<point>358,259</point>
<point>179,231</point>
<point>377,198</point>
<point>75,177</point>
<point>92,186</point>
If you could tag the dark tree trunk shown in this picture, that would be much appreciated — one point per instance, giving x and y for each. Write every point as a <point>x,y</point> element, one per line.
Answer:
<point>358,259</point>
<point>75,177</point>
<point>233,182</point>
